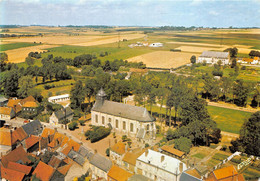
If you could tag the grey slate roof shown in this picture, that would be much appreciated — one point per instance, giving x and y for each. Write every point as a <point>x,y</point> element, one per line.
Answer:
<point>3,99</point>
<point>33,127</point>
<point>214,54</point>
<point>60,114</point>
<point>123,110</point>
<point>138,178</point>
<point>187,177</point>
<point>85,152</point>
<point>100,162</point>
<point>76,157</point>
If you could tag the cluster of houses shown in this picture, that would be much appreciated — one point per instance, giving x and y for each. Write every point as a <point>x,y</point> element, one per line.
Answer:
<point>212,57</point>
<point>140,44</point>
<point>11,107</point>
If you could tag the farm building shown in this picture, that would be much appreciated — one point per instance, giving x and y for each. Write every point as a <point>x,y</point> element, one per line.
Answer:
<point>212,57</point>
<point>123,118</point>
<point>6,113</point>
<point>156,45</point>
<point>60,98</point>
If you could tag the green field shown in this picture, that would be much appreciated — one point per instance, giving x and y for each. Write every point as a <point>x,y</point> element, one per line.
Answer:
<point>228,120</point>
<point>11,46</point>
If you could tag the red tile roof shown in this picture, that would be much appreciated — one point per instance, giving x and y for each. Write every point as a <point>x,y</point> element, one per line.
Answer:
<point>5,137</point>
<point>119,148</point>
<point>19,134</point>
<point>54,162</point>
<point>118,174</point>
<point>47,131</point>
<point>19,167</point>
<point>64,169</point>
<point>225,172</point>
<point>30,104</point>
<point>15,104</point>
<point>130,157</point>
<point>32,140</point>
<point>5,110</point>
<point>15,155</point>
<point>11,175</point>
<point>27,99</point>
<point>59,139</point>
<point>43,171</point>
<point>172,150</point>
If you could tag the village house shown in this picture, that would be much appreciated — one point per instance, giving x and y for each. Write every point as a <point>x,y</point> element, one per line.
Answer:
<point>100,166</point>
<point>28,104</point>
<point>156,45</point>
<point>43,171</point>
<point>6,113</point>
<point>30,107</point>
<point>170,151</point>
<point>60,115</point>
<point>118,174</point>
<point>129,160</point>
<point>158,166</point>
<point>117,151</point>
<point>123,118</point>
<point>212,57</point>
<point>226,173</point>
<point>31,143</point>
<point>138,177</point>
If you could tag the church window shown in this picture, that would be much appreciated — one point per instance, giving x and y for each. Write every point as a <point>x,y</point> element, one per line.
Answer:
<point>96,118</point>
<point>116,123</point>
<point>103,120</point>
<point>124,125</point>
<point>147,127</point>
<point>131,127</point>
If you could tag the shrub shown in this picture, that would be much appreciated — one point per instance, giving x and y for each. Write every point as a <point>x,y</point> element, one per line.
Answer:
<point>97,133</point>
<point>243,68</point>
<point>224,147</point>
<point>146,145</point>
<point>217,73</point>
<point>81,122</point>
<point>73,125</point>
<point>124,138</point>
<point>184,144</point>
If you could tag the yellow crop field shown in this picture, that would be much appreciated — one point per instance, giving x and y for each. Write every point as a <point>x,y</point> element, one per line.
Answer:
<point>77,40</point>
<point>18,55</point>
<point>163,59</point>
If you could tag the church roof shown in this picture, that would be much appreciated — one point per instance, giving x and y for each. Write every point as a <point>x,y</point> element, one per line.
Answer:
<point>123,110</point>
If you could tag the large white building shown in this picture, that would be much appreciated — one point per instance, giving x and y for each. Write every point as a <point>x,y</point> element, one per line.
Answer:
<point>123,118</point>
<point>212,57</point>
<point>159,167</point>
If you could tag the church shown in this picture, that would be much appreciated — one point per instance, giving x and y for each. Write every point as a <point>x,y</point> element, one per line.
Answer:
<point>122,118</point>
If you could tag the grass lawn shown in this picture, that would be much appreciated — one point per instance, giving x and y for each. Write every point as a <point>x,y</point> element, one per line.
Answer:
<point>199,155</point>
<point>11,46</point>
<point>228,120</point>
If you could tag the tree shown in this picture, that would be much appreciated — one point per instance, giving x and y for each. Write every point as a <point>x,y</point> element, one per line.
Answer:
<point>193,59</point>
<point>232,52</point>
<point>257,95</point>
<point>89,89</point>
<point>184,144</point>
<point>29,60</point>
<point>107,67</point>
<point>151,98</point>
<point>233,62</point>
<point>249,139</point>
<point>25,85</point>
<point>77,95</point>
<point>3,61</point>
<point>241,92</point>
<point>10,81</point>
<point>73,125</point>
<point>108,152</point>
<point>170,104</point>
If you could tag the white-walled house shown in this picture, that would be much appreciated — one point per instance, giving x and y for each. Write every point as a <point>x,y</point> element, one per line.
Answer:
<point>212,57</point>
<point>60,115</point>
<point>123,118</point>
<point>158,166</point>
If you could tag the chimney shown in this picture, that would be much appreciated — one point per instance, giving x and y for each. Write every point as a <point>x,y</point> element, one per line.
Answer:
<point>181,167</point>
<point>162,158</point>
<point>146,153</point>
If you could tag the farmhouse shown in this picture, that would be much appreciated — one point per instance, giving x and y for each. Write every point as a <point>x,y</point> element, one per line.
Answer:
<point>123,118</point>
<point>156,45</point>
<point>158,166</point>
<point>212,57</point>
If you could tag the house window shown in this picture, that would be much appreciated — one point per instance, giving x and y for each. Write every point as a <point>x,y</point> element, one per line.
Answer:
<point>103,120</point>
<point>109,120</point>
<point>96,118</point>
<point>116,123</point>
<point>124,125</point>
<point>131,127</point>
